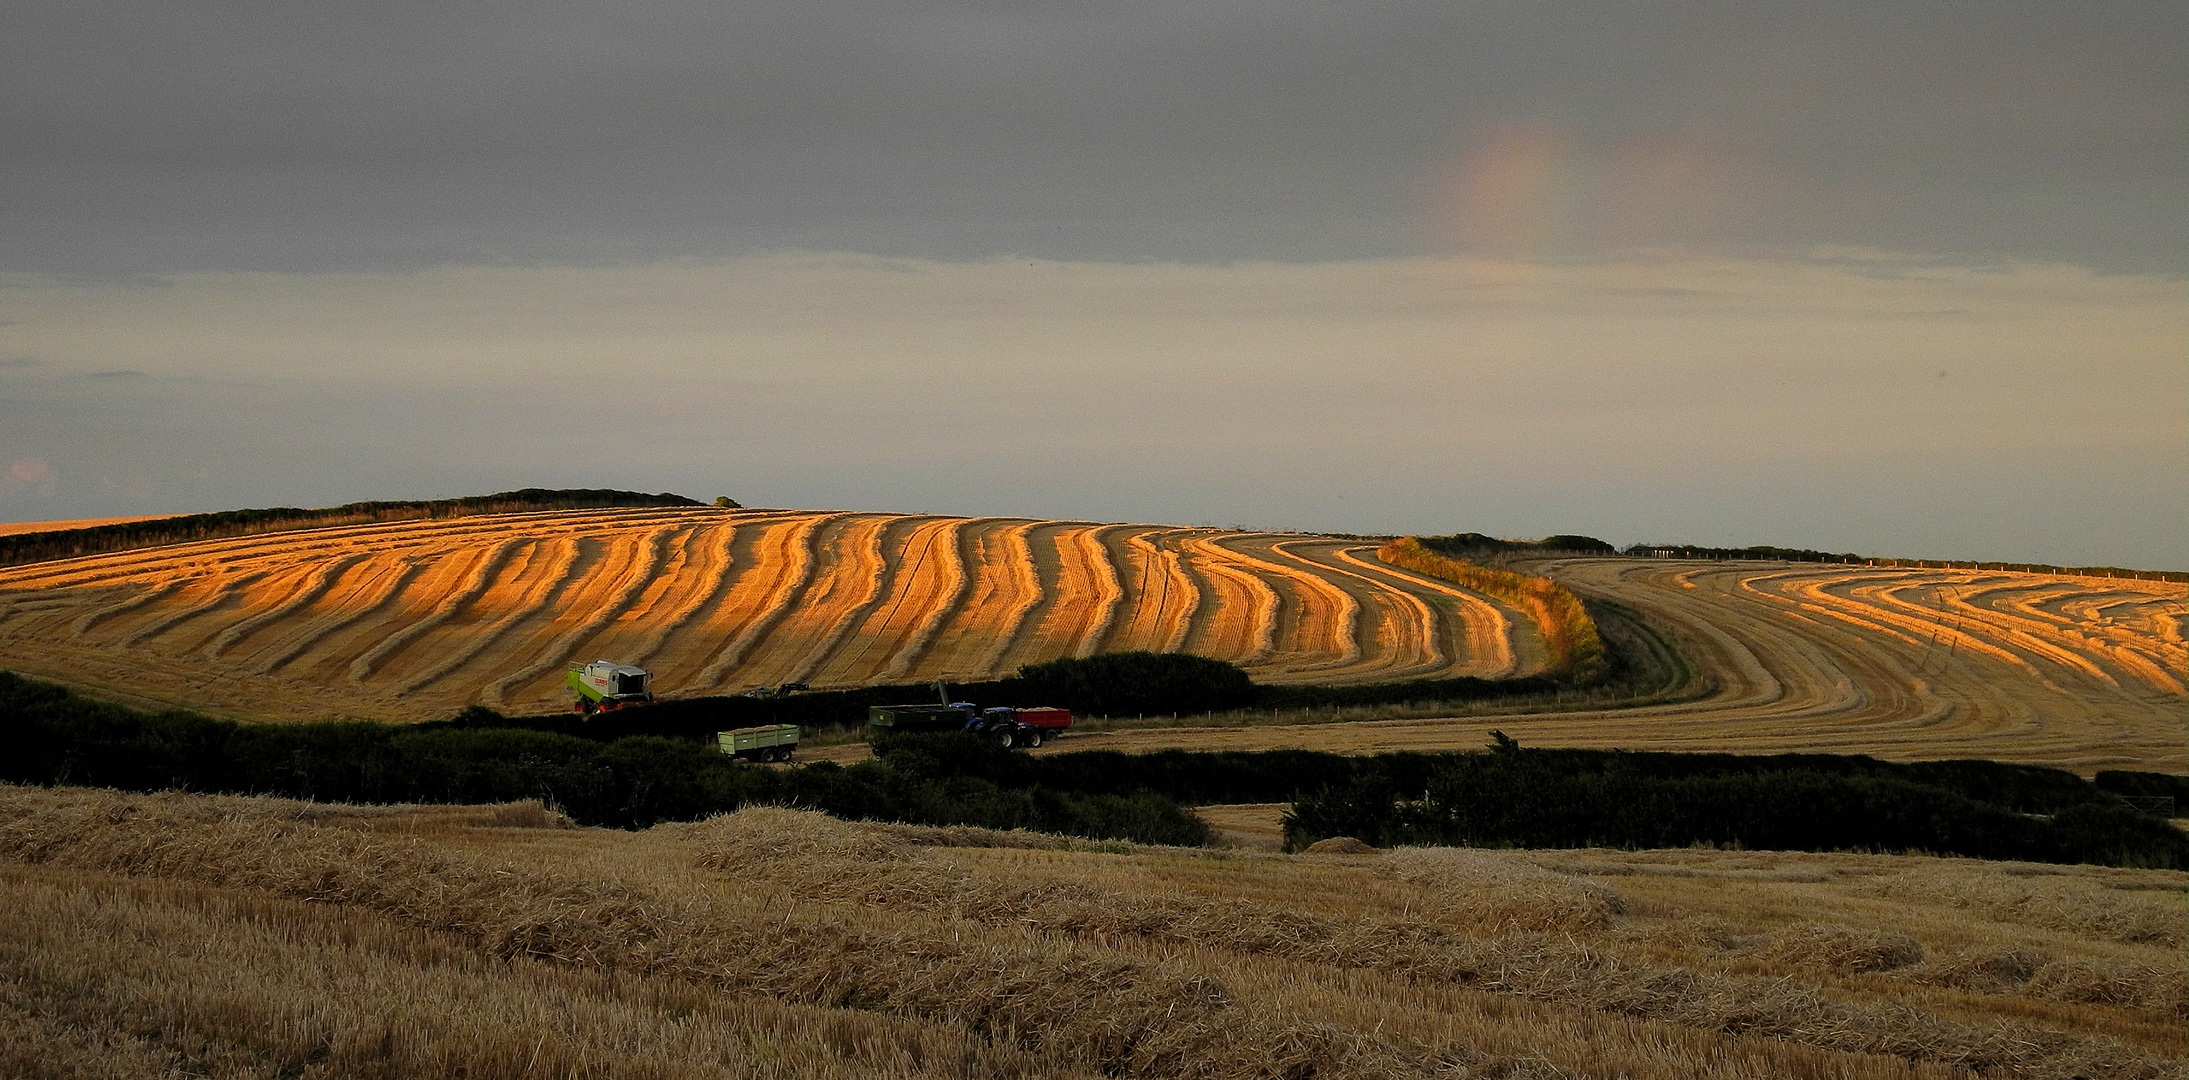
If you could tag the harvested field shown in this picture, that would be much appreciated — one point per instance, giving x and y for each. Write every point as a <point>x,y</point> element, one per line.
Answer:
<point>190,935</point>
<point>415,619</point>
<point>1908,665</point>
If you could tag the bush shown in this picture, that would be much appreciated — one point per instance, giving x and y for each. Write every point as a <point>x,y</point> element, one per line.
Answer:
<point>1802,802</point>
<point>2146,785</point>
<point>1136,683</point>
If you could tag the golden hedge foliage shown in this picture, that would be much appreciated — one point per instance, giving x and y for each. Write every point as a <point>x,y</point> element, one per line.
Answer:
<point>1567,629</point>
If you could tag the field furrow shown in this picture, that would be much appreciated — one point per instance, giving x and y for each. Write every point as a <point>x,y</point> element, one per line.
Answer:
<point>1240,620</point>
<point>1002,591</point>
<point>141,597</point>
<point>212,597</point>
<point>1479,631</point>
<point>359,596</point>
<point>1408,635</point>
<point>1096,561</point>
<point>640,561</point>
<point>524,588</point>
<point>703,574</point>
<point>482,567</point>
<point>796,549</point>
<point>944,599</point>
<point>917,562</point>
<point>314,586</point>
<point>1030,637</point>
<point>1156,609</point>
<point>1326,635</point>
<point>848,581</point>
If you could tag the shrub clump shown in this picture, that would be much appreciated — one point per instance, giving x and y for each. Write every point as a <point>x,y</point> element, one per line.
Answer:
<point>1137,684</point>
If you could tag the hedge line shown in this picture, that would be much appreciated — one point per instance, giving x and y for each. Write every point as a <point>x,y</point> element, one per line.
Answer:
<point>1767,552</point>
<point>1510,797</point>
<point>1577,651</point>
<point>57,737</point>
<point>1803,802</point>
<point>129,535</point>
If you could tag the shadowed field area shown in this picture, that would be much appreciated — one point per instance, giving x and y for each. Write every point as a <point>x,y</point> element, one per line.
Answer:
<point>173,934</point>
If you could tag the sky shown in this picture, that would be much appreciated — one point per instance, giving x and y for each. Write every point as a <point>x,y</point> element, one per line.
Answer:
<point>1898,278</point>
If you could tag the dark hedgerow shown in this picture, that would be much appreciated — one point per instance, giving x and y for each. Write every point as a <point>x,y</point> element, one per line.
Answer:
<point>1512,797</point>
<point>1508,797</point>
<point>1137,683</point>
<point>57,737</point>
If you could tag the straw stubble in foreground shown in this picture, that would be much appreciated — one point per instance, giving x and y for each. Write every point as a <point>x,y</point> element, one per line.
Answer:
<point>256,937</point>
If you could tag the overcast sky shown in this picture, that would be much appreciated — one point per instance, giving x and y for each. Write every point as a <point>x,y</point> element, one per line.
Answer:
<point>1903,278</point>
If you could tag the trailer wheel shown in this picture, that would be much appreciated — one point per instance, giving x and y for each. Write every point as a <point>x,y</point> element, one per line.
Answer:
<point>784,755</point>
<point>1030,739</point>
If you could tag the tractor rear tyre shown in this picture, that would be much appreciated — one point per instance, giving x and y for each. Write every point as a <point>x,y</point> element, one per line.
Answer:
<point>1002,737</point>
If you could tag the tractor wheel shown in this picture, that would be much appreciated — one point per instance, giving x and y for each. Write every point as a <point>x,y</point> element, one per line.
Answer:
<point>1002,737</point>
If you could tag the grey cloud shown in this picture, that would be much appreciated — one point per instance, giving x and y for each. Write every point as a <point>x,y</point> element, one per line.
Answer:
<point>147,136</point>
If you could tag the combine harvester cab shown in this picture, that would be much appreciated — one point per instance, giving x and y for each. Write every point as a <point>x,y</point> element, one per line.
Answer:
<point>605,686</point>
<point>768,742</point>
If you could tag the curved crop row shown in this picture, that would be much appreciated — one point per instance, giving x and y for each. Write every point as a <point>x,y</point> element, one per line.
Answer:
<point>415,619</point>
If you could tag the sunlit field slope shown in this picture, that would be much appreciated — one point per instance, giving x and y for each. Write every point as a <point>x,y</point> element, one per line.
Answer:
<point>174,934</point>
<point>413,620</point>
<point>2076,672</point>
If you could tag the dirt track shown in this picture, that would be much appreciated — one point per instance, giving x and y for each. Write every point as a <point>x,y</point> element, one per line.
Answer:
<point>413,620</point>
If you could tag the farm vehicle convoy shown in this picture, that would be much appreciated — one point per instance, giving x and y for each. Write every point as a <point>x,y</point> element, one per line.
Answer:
<point>606,686</point>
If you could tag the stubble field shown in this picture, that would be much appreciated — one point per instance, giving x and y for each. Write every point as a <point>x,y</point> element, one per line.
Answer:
<point>1904,664</point>
<point>414,620</point>
<point>192,935</point>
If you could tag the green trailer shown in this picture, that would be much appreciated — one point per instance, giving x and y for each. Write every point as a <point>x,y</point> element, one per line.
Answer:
<point>900,719</point>
<point>769,742</point>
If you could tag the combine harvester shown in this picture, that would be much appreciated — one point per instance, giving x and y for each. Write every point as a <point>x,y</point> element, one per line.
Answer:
<point>1007,726</point>
<point>605,686</point>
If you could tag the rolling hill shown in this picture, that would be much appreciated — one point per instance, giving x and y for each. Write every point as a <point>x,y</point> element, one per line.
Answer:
<point>415,619</point>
